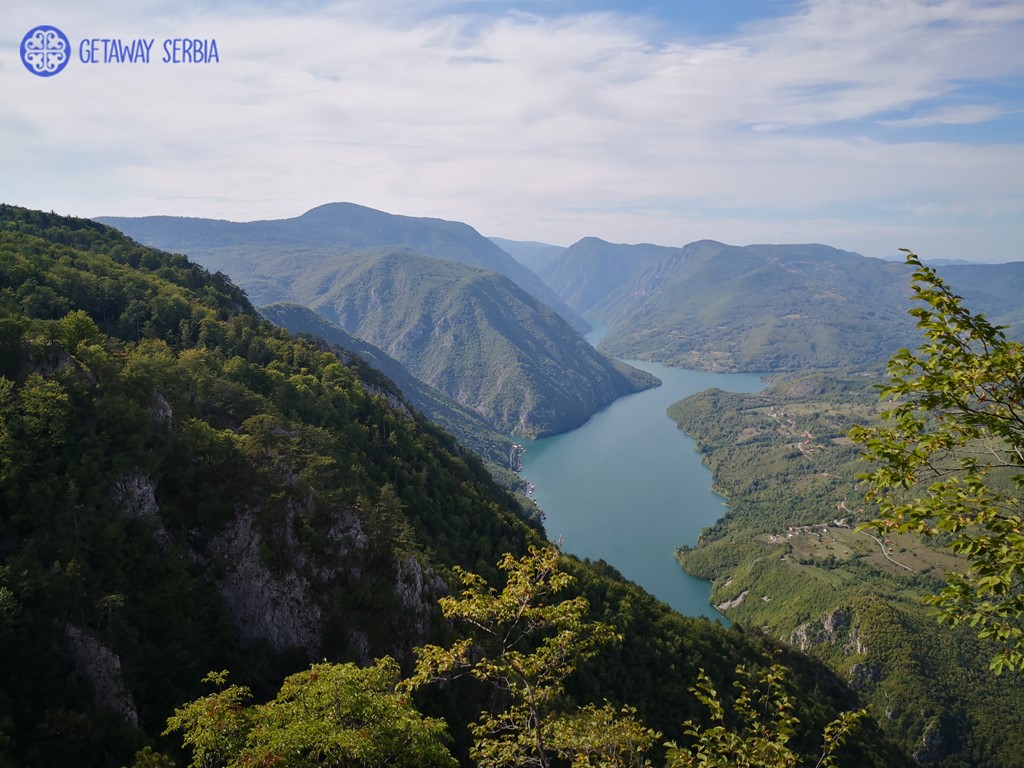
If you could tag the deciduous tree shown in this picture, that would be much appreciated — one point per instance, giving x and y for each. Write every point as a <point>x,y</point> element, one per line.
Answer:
<point>329,715</point>
<point>761,737</point>
<point>525,642</point>
<point>948,460</point>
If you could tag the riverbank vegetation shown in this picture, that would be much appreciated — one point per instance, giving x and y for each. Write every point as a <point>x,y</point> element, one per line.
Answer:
<point>789,560</point>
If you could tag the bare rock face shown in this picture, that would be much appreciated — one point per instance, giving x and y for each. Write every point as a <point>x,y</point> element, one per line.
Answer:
<point>932,742</point>
<point>418,589</point>
<point>392,399</point>
<point>291,604</point>
<point>102,668</point>
<point>835,628</point>
<point>278,608</point>
<point>161,409</point>
<point>738,600</point>
<point>865,674</point>
<point>838,628</point>
<point>136,495</point>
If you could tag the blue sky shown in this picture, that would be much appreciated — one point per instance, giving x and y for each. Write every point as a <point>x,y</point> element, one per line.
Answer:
<point>869,125</point>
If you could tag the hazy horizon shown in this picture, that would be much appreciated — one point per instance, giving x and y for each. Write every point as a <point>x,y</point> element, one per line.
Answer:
<point>868,127</point>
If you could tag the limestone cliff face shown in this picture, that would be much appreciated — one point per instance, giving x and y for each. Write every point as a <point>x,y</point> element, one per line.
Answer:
<point>276,588</point>
<point>839,628</point>
<point>836,628</point>
<point>842,631</point>
<point>277,607</point>
<point>418,590</point>
<point>136,496</point>
<point>292,606</point>
<point>102,668</point>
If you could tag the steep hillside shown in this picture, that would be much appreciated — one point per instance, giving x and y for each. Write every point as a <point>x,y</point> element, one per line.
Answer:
<point>760,308</point>
<point>251,252</point>
<point>787,557</point>
<point>185,488</point>
<point>326,260</point>
<point>998,289</point>
<point>471,429</point>
<point>531,254</point>
<point>478,338</point>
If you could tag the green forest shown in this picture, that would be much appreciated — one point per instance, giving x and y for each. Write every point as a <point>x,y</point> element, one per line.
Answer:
<point>186,489</point>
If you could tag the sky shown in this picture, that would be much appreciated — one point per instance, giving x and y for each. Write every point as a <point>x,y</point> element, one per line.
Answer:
<point>869,125</point>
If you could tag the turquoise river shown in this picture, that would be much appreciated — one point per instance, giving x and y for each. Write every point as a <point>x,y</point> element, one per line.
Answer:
<point>629,487</point>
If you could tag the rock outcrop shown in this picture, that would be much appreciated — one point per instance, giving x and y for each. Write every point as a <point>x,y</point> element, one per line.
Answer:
<point>102,668</point>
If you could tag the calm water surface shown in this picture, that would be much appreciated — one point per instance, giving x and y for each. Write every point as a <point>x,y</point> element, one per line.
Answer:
<point>629,487</point>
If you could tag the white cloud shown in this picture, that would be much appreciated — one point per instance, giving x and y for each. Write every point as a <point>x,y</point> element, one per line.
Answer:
<point>964,114</point>
<point>529,126</point>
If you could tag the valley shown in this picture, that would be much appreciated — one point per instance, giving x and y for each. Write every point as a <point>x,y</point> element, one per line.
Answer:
<point>456,311</point>
<point>628,488</point>
<point>554,384</point>
<point>186,488</point>
<point>316,509</point>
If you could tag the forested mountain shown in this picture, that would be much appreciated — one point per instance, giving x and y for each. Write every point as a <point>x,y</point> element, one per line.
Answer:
<point>471,429</point>
<point>478,338</point>
<point>251,251</point>
<point>185,488</point>
<point>475,335</point>
<point>787,557</point>
<point>996,289</point>
<point>758,307</point>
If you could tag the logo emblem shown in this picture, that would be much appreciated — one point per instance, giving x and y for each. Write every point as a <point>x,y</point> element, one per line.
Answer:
<point>45,51</point>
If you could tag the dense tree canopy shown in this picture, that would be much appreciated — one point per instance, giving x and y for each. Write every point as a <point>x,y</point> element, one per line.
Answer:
<point>524,641</point>
<point>329,716</point>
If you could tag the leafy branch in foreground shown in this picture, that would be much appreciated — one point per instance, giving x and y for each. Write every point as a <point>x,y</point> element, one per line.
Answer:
<point>767,724</point>
<point>525,645</point>
<point>329,715</point>
<point>949,460</point>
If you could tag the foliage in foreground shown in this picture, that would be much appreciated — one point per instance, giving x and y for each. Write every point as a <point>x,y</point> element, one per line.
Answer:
<point>329,716</point>
<point>767,724</point>
<point>523,644</point>
<point>145,412</point>
<point>782,458</point>
<point>949,460</point>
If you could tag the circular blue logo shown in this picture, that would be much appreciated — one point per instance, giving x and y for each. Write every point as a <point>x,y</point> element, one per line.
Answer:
<point>45,51</point>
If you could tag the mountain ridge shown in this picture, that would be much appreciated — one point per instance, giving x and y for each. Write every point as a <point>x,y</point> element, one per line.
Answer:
<point>341,225</point>
<point>763,307</point>
<point>429,336</point>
